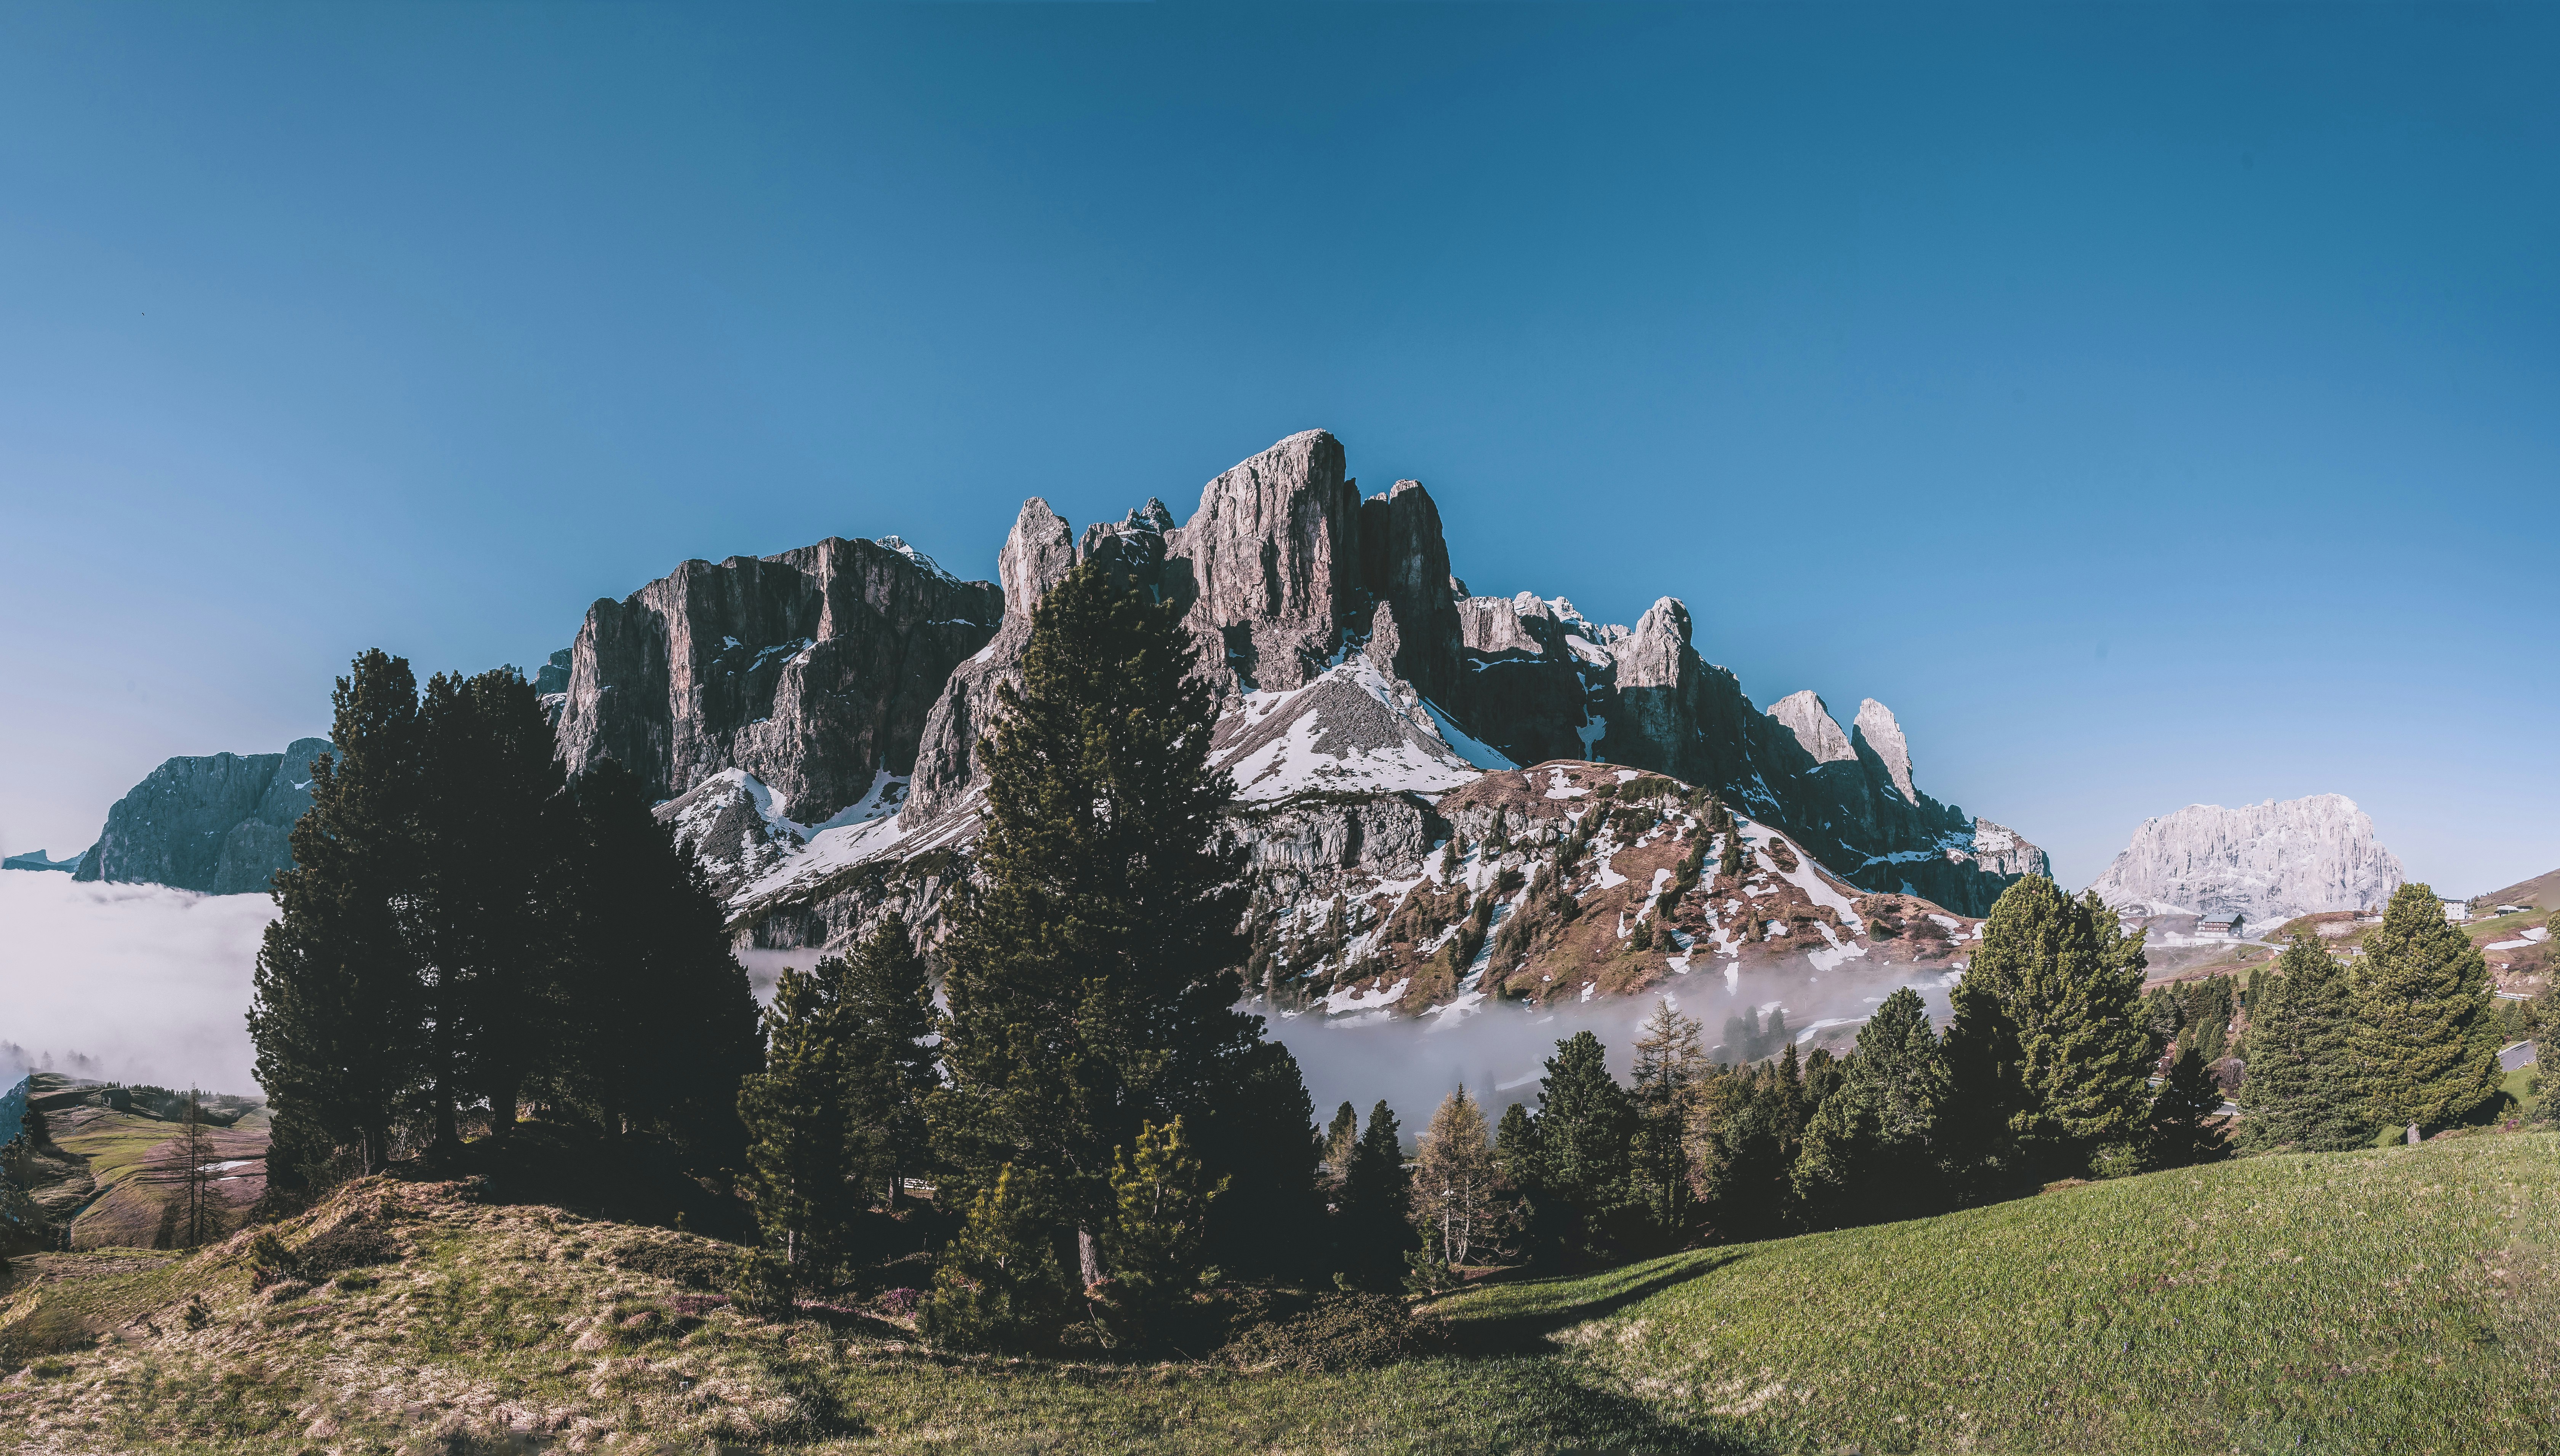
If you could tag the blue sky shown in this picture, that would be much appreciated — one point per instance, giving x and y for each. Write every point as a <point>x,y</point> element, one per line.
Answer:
<point>2152,404</point>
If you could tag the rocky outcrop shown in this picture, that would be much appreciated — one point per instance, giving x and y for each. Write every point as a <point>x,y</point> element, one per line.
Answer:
<point>1404,569</point>
<point>2266,863</point>
<point>39,860</point>
<point>1037,556</point>
<point>221,824</point>
<point>1880,732</point>
<point>1269,567</point>
<point>1810,719</point>
<point>812,671</point>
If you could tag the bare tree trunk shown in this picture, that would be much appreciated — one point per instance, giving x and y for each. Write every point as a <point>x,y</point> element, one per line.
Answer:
<point>1088,1257</point>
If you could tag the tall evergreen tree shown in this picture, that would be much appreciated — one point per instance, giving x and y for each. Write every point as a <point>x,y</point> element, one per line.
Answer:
<point>1870,1150</point>
<point>1090,981</point>
<point>2424,1044</point>
<point>801,1163</point>
<point>2182,1131</point>
<point>888,1005</point>
<point>665,1025</point>
<point>2049,1054</point>
<point>2300,1090</point>
<point>484,917</point>
<point>1586,1133</point>
<point>1374,1214</point>
<point>336,1016</point>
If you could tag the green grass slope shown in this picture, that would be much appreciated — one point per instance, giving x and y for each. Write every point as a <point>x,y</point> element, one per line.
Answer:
<point>2400,1300</point>
<point>2397,1300</point>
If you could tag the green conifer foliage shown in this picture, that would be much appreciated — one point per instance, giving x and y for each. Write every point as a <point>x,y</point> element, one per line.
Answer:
<point>800,1166</point>
<point>1372,1213</point>
<point>2182,1132</point>
<point>1586,1133</point>
<point>664,1024</point>
<point>1158,1230</point>
<point>1870,1151</point>
<point>1090,981</point>
<point>999,1284</point>
<point>2049,1053</point>
<point>336,1014</point>
<point>889,1072</point>
<point>2423,1042</point>
<point>2300,1091</point>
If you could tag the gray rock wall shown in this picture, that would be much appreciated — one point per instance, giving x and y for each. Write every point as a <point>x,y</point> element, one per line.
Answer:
<point>221,824</point>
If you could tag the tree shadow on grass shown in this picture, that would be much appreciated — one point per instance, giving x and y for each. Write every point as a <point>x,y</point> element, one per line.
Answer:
<point>1536,1309</point>
<point>1548,1407</point>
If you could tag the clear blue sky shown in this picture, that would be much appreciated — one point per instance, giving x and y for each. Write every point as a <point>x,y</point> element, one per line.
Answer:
<point>2152,404</point>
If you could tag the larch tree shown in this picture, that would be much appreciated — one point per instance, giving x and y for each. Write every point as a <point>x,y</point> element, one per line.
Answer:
<point>1457,1201</point>
<point>2424,1042</point>
<point>2049,1053</point>
<point>1671,1060</point>
<point>2300,1091</point>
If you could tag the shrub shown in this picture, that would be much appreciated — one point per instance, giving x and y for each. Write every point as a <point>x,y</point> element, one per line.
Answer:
<point>1339,1332</point>
<point>691,1263</point>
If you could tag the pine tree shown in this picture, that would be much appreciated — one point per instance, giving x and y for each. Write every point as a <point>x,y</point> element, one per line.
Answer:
<point>483,913</point>
<point>2300,1091</point>
<point>1089,981</point>
<point>1457,1203</point>
<point>2182,1131</point>
<point>999,1284</point>
<point>1342,1139</point>
<point>336,1013</point>
<point>2424,1045</point>
<point>1870,1149</point>
<point>1159,1227</point>
<point>1586,1130</point>
<point>1669,1061</point>
<point>1372,1215</point>
<point>888,1071</point>
<point>2048,1054</point>
<point>662,1025</point>
<point>801,1168</point>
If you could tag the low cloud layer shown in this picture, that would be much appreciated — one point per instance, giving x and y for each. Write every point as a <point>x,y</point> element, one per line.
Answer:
<point>152,983</point>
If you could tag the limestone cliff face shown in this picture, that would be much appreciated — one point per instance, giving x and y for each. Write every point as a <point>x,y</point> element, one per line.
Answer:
<point>2266,863</point>
<point>221,824</point>
<point>1269,567</point>
<point>812,669</point>
<point>1037,556</point>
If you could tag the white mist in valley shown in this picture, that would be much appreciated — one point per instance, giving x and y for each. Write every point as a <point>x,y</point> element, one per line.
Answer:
<point>142,982</point>
<point>1498,1051</point>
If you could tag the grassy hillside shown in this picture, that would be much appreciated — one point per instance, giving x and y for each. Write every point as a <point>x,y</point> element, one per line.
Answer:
<point>2399,1300</point>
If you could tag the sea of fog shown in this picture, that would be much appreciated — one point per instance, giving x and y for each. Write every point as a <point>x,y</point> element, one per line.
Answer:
<point>141,982</point>
<point>151,984</point>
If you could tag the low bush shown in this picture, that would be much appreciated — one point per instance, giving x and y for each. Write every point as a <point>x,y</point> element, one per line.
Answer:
<point>1338,1332</point>
<point>691,1263</point>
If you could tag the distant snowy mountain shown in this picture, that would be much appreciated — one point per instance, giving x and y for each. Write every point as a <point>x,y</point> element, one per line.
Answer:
<point>2266,863</point>
<point>221,823</point>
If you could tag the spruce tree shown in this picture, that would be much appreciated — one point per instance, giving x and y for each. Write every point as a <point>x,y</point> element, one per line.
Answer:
<point>2300,1091</point>
<point>998,1284</point>
<point>1375,1212</point>
<point>888,1071</point>
<point>1090,981</point>
<point>800,1166</point>
<point>484,913</point>
<point>2424,1044</point>
<point>2182,1132</point>
<point>663,1023</point>
<point>1870,1150</point>
<point>336,1016</point>
<point>2049,1054</point>
<point>1158,1231</point>
<point>1585,1131</point>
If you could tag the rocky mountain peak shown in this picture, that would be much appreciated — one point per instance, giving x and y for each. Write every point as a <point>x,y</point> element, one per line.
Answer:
<point>1035,556</point>
<point>1809,720</point>
<point>1877,729</point>
<point>2266,861</point>
<point>1269,565</point>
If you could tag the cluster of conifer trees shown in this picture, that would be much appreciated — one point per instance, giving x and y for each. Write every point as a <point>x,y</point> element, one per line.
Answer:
<point>2404,1037</point>
<point>466,930</point>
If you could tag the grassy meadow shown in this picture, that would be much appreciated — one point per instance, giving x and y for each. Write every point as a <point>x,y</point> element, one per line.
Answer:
<point>2403,1299</point>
